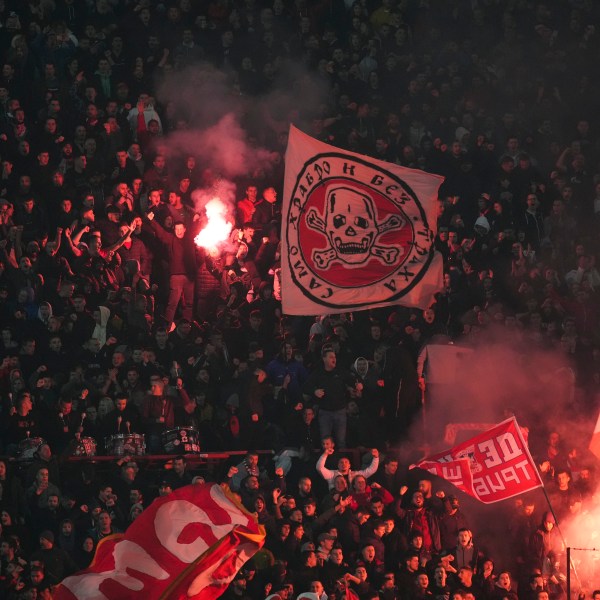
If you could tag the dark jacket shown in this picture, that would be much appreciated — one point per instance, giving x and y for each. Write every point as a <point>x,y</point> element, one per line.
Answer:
<point>334,384</point>
<point>178,246</point>
<point>408,517</point>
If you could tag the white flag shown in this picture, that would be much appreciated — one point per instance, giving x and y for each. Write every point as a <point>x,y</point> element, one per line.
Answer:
<point>357,233</point>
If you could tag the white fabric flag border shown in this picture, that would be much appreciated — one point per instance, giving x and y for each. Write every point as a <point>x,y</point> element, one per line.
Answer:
<point>357,232</point>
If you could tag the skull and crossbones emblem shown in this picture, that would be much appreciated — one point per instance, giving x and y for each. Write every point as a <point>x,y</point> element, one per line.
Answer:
<point>352,229</point>
<point>470,454</point>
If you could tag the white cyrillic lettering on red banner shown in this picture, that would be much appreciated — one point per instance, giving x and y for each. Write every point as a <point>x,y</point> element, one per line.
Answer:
<point>493,466</point>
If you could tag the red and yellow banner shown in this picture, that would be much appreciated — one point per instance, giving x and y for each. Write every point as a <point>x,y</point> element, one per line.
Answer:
<point>492,466</point>
<point>189,544</point>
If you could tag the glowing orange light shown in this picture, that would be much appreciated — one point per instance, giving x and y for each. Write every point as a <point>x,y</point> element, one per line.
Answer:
<point>217,228</point>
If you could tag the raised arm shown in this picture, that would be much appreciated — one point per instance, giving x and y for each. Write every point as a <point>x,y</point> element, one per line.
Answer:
<point>372,468</point>
<point>114,247</point>
<point>160,233</point>
<point>325,473</point>
<point>72,246</point>
<point>77,237</point>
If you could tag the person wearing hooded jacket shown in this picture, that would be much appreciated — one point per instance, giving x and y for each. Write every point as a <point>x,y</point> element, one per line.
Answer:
<point>38,327</point>
<point>100,331</point>
<point>451,521</point>
<point>366,388</point>
<point>545,545</point>
<point>57,562</point>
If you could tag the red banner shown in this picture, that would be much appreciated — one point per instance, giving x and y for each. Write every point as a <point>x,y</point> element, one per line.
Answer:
<point>356,232</point>
<point>492,466</point>
<point>187,545</point>
<point>594,446</point>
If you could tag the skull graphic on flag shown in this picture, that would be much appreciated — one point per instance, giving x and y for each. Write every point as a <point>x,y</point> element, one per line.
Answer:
<point>352,229</point>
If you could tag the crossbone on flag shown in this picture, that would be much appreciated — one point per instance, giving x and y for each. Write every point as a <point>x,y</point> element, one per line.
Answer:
<point>357,233</point>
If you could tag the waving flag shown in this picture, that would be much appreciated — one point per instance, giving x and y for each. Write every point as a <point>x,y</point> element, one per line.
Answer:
<point>594,446</point>
<point>492,466</point>
<point>187,545</point>
<point>357,232</point>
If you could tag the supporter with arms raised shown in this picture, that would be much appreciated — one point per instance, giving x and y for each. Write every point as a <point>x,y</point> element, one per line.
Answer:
<point>343,468</point>
<point>182,267</point>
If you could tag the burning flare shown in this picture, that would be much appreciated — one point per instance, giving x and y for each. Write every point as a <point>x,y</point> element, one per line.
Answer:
<point>217,228</point>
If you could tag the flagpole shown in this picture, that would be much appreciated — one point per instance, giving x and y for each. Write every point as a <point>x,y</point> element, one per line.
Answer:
<point>423,386</point>
<point>564,541</point>
<point>424,416</point>
<point>562,537</point>
<point>568,574</point>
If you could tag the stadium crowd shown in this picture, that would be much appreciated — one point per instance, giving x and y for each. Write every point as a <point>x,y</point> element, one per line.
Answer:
<point>119,336</point>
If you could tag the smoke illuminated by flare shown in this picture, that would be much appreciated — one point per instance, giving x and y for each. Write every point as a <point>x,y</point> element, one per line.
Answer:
<point>217,228</point>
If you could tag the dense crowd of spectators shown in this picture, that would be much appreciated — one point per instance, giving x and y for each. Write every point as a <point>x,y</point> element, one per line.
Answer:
<point>119,335</point>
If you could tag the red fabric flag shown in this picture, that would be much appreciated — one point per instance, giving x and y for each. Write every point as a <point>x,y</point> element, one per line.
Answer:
<point>189,544</point>
<point>594,446</point>
<point>357,232</point>
<point>492,466</point>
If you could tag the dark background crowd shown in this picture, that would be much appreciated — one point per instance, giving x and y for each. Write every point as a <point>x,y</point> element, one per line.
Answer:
<point>119,336</point>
